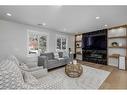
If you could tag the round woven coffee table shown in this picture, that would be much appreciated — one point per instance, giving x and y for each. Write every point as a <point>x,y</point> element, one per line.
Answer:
<point>73,70</point>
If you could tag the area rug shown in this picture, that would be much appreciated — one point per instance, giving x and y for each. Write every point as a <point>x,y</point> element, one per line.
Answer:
<point>90,79</point>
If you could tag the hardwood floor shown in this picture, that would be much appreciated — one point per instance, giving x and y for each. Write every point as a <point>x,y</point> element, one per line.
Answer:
<point>116,80</point>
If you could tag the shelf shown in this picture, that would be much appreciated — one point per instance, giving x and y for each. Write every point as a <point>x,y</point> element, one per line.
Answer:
<point>115,56</point>
<point>117,47</point>
<point>117,37</point>
<point>123,26</point>
<point>78,47</point>
<point>117,34</point>
<point>79,53</point>
<point>78,34</point>
<point>79,41</point>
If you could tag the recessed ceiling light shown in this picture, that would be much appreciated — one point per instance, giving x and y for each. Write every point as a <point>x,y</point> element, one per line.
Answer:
<point>105,25</point>
<point>64,29</point>
<point>43,23</point>
<point>8,14</point>
<point>97,17</point>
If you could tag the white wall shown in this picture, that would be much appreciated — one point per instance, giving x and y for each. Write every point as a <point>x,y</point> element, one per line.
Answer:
<point>71,44</point>
<point>13,39</point>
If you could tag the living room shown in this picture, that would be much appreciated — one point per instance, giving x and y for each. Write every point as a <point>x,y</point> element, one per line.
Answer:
<point>63,47</point>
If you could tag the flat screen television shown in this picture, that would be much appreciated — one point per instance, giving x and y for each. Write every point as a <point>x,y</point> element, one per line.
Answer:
<point>93,42</point>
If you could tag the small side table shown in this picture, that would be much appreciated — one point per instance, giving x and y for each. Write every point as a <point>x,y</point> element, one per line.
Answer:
<point>74,70</point>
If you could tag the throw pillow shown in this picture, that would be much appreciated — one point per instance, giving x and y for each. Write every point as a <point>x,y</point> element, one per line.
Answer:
<point>56,55</point>
<point>65,54</point>
<point>60,54</point>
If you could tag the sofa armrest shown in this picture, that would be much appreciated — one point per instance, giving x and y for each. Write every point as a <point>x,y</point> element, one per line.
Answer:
<point>42,61</point>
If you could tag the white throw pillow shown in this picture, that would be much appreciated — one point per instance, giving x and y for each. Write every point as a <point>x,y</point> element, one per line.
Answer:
<point>65,54</point>
<point>56,55</point>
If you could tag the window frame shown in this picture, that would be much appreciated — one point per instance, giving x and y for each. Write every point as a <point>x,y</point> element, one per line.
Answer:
<point>61,37</point>
<point>39,35</point>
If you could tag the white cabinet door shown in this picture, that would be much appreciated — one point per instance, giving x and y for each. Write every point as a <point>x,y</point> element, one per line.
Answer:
<point>122,62</point>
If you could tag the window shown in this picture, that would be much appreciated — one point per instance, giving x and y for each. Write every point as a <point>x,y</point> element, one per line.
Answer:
<point>61,43</point>
<point>43,43</point>
<point>37,42</point>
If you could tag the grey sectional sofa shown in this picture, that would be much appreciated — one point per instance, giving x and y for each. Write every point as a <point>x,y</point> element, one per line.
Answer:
<point>47,60</point>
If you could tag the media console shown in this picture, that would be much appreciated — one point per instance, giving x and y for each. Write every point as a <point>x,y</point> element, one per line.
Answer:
<point>95,56</point>
<point>94,47</point>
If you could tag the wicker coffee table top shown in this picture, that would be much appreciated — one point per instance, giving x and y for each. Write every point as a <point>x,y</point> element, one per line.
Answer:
<point>73,70</point>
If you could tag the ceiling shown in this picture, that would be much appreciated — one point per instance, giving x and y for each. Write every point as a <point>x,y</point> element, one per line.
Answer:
<point>70,19</point>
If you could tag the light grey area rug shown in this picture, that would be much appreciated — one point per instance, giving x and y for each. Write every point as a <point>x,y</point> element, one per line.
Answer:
<point>90,79</point>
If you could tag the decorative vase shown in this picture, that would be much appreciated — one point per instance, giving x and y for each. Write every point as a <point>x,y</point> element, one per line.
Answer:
<point>114,44</point>
<point>74,61</point>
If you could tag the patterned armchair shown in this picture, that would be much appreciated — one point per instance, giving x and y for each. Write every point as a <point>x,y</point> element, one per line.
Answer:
<point>13,77</point>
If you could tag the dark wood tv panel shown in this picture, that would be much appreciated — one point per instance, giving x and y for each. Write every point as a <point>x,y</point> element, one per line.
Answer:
<point>93,53</point>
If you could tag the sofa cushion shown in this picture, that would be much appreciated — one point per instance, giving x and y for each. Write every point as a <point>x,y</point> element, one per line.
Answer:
<point>52,61</point>
<point>67,60</point>
<point>53,64</point>
<point>48,55</point>
<point>56,55</point>
<point>65,54</point>
<point>62,61</point>
<point>60,54</point>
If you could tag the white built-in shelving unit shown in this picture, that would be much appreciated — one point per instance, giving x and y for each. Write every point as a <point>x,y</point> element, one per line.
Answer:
<point>118,35</point>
